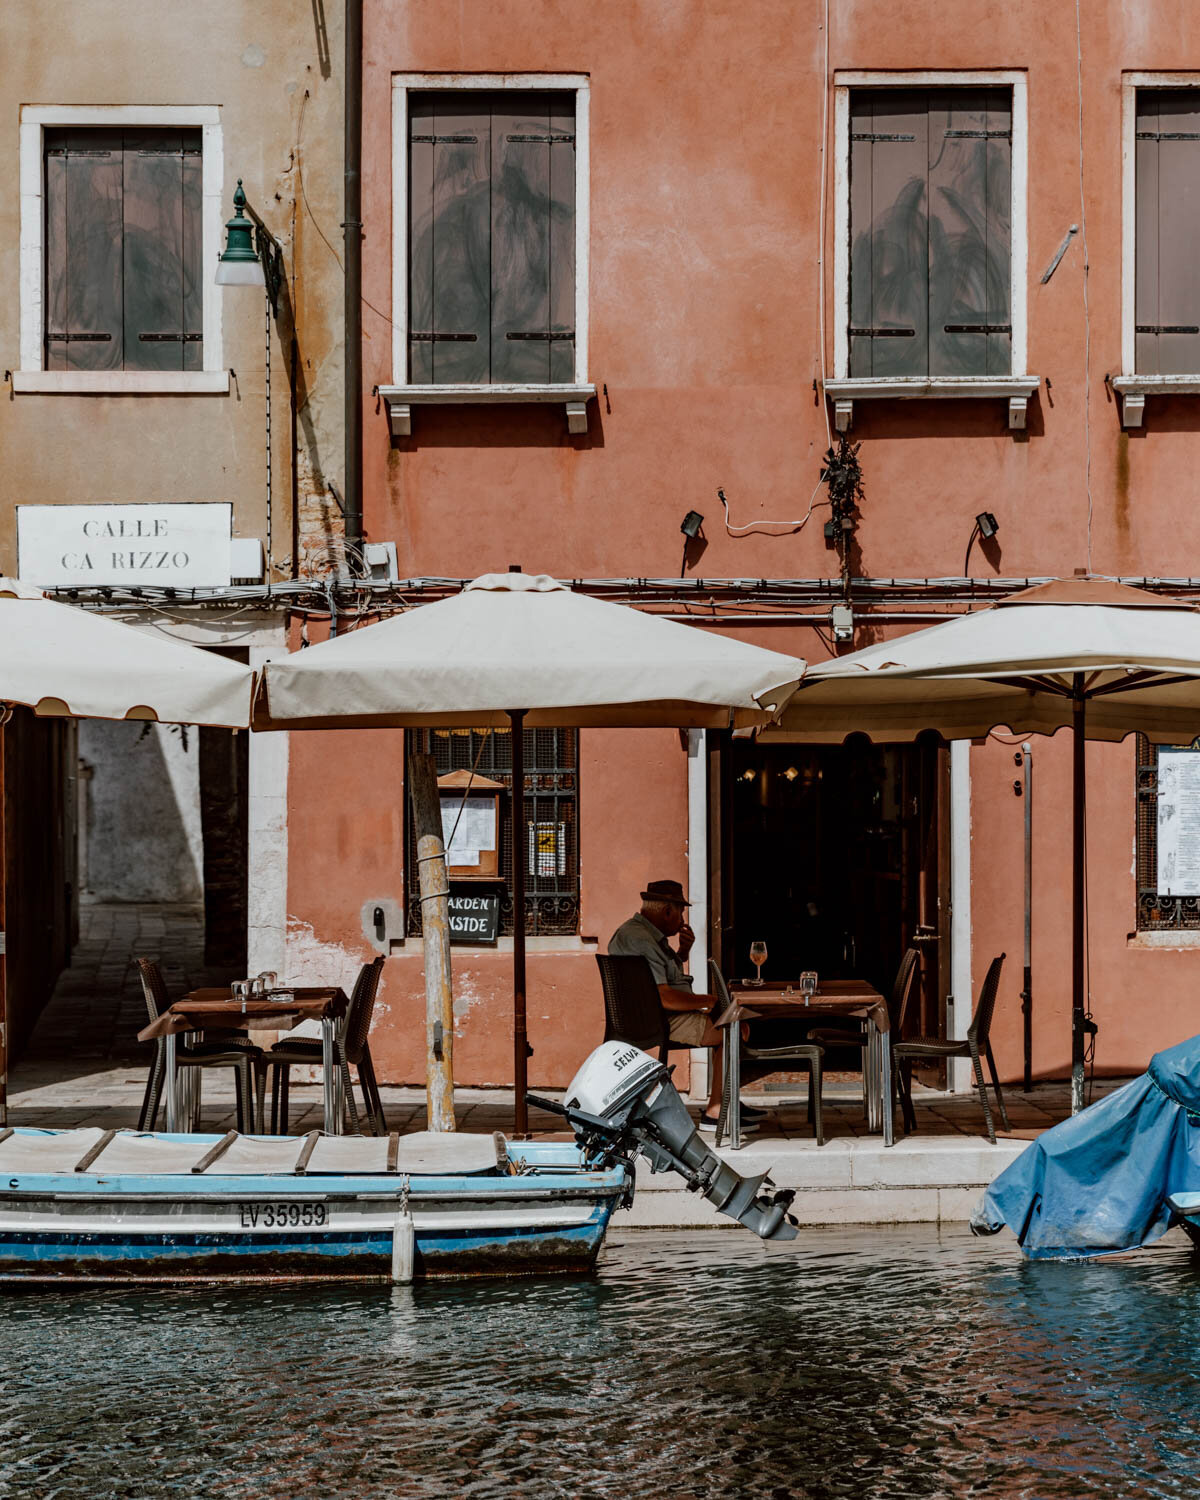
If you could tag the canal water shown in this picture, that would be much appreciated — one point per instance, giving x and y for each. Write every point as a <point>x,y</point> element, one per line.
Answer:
<point>853,1363</point>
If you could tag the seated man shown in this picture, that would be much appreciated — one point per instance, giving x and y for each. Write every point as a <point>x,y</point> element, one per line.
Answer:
<point>645,935</point>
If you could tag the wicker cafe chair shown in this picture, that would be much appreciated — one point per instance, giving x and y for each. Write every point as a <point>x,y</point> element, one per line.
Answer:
<point>806,1053</point>
<point>223,1049</point>
<point>976,1044</point>
<point>831,1037</point>
<point>349,1046</point>
<point>633,1008</point>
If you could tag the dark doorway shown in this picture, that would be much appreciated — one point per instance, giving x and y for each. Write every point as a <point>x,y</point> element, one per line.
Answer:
<point>830,855</point>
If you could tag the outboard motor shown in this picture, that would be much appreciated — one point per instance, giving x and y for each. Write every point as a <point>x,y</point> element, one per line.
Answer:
<point>622,1103</point>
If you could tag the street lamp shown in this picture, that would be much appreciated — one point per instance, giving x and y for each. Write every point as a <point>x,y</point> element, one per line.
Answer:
<point>252,257</point>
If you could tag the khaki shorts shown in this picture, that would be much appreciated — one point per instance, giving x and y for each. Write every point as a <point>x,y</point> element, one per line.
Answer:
<point>688,1026</point>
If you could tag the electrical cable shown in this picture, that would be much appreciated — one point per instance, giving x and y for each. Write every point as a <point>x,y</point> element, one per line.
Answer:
<point>792,526</point>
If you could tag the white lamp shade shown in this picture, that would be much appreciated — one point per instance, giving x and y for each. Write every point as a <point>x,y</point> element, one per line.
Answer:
<point>240,273</point>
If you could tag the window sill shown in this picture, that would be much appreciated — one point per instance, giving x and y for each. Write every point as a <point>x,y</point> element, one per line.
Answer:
<point>1133,390</point>
<point>1165,938</point>
<point>1015,389</point>
<point>402,398</point>
<point>121,382</point>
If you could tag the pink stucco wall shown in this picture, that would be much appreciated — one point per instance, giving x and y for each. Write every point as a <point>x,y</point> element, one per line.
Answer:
<point>705,206</point>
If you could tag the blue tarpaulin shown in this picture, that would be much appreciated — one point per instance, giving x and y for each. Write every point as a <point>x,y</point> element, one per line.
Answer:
<point>1098,1183</point>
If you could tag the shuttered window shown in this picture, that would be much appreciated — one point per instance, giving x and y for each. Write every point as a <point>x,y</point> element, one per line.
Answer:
<point>492,238</point>
<point>1167,297</point>
<point>930,232</point>
<point>123,250</point>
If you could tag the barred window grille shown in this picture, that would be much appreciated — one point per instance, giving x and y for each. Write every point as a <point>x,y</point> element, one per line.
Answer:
<point>1156,912</point>
<point>551,833</point>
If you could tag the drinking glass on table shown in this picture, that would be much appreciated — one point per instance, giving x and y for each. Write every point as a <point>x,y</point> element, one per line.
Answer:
<point>241,991</point>
<point>758,957</point>
<point>269,980</point>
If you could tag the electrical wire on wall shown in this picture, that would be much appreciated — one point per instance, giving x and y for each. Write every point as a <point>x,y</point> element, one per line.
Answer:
<point>790,526</point>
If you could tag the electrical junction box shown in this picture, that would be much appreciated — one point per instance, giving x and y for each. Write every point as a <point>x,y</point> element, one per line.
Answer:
<point>380,558</point>
<point>245,559</point>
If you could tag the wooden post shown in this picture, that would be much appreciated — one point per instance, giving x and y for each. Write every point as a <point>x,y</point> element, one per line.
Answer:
<point>435,929</point>
<point>3,933</point>
<point>520,854</point>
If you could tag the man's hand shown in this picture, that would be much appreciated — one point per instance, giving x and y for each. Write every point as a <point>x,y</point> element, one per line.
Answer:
<point>686,938</point>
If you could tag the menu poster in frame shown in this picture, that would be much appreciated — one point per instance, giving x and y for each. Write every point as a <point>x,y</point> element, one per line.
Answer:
<point>1178,822</point>
<point>471,825</point>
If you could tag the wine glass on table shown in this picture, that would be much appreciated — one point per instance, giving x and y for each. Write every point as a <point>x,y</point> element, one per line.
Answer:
<point>758,957</point>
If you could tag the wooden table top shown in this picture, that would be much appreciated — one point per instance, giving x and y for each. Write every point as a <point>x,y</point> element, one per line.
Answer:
<point>833,997</point>
<point>216,1009</point>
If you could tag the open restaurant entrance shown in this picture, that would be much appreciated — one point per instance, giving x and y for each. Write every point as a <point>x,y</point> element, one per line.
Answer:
<point>836,857</point>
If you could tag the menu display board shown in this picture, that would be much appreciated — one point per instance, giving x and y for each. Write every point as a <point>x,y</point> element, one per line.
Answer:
<point>1178,822</point>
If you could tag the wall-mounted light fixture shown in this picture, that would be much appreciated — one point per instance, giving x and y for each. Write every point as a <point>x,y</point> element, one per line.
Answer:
<point>253,257</point>
<point>986,526</point>
<point>690,526</point>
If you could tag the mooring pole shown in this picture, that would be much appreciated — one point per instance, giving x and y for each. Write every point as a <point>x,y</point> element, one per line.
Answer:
<point>435,930</point>
<point>519,856</point>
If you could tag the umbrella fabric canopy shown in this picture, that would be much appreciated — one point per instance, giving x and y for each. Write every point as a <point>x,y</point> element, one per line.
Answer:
<point>1105,659</point>
<point>1098,1184</point>
<point>513,641</point>
<point>60,660</point>
<point>521,651</point>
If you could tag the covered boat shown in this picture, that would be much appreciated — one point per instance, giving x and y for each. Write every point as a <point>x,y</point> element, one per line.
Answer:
<point>1113,1177</point>
<point>90,1203</point>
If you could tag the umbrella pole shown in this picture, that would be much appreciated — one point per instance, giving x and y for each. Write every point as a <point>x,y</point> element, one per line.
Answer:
<point>517,815</point>
<point>1078,888</point>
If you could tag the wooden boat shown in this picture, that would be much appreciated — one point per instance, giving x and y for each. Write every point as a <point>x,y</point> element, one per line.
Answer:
<point>90,1203</point>
<point>1186,1210</point>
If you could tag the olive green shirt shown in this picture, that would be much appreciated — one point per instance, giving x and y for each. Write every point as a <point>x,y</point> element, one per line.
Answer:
<point>640,938</point>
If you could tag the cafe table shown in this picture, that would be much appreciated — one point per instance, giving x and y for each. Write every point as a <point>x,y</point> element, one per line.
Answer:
<point>277,1010</point>
<point>782,1000</point>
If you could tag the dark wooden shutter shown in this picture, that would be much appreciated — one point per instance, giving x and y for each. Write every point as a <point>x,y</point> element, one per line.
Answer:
<point>84,211</point>
<point>492,238</point>
<point>161,250</point>
<point>450,255</point>
<point>889,256</point>
<point>930,224</point>
<point>124,287</point>
<point>533,236</point>
<point>970,234</point>
<point>1167,289</point>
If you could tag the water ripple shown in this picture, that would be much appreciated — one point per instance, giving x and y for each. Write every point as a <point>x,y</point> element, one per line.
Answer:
<point>899,1364</point>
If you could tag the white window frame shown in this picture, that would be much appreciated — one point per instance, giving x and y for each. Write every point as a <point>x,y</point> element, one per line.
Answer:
<point>402,394</point>
<point>1018,385</point>
<point>1129,385</point>
<point>32,376</point>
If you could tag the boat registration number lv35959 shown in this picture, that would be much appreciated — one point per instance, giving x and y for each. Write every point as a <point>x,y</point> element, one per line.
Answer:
<point>282,1215</point>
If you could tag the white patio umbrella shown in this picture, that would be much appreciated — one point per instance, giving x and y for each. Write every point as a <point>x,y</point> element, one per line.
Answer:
<point>1098,657</point>
<point>525,652</point>
<point>61,660</point>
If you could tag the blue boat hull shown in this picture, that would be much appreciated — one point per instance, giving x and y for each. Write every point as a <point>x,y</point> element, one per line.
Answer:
<point>546,1214</point>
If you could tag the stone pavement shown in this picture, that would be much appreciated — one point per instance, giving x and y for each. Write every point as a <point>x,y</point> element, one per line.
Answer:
<point>97,1008</point>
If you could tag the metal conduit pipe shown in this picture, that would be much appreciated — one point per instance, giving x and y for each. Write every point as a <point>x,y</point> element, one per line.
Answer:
<point>352,232</point>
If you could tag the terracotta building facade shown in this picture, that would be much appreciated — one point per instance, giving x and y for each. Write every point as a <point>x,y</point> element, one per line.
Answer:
<point>805,322</point>
<point>619,272</point>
